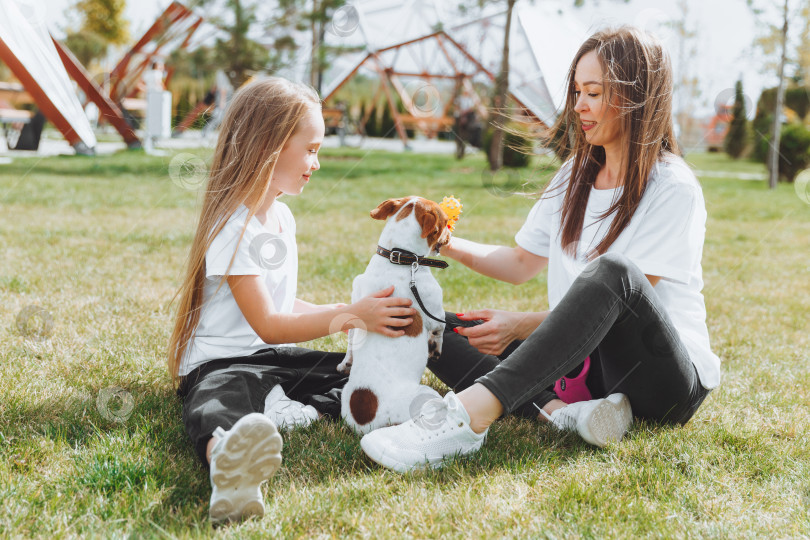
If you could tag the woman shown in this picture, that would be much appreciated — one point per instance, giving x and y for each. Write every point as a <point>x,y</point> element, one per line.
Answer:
<point>621,230</point>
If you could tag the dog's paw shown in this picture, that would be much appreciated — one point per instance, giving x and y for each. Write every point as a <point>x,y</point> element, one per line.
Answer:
<point>345,367</point>
<point>435,344</point>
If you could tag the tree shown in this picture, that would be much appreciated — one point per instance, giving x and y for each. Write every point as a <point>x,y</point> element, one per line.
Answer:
<point>776,41</point>
<point>500,95</point>
<point>737,136</point>
<point>239,55</point>
<point>105,18</point>
<point>773,161</point>
<point>101,24</point>
<point>687,85</point>
<point>313,16</point>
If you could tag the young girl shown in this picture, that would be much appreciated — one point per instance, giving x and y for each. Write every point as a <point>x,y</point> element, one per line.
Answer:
<point>239,297</point>
<point>621,229</point>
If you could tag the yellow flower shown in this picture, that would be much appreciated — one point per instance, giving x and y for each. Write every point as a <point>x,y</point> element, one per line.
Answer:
<point>452,207</point>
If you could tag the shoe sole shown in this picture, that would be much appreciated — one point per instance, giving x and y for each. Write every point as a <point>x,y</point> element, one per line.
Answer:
<point>251,455</point>
<point>387,461</point>
<point>607,422</point>
<point>381,458</point>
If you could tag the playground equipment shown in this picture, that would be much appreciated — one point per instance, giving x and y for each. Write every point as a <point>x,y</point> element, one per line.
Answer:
<point>43,65</point>
<point>28,51</point>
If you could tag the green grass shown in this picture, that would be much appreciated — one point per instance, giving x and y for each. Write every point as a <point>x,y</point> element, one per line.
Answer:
<point>99,245</point>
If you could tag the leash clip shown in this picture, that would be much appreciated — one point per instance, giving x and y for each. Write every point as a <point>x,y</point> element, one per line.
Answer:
<point>414,268</point>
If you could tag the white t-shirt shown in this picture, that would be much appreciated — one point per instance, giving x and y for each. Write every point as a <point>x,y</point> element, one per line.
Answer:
<point>664,238</point>
<point>223,331</point>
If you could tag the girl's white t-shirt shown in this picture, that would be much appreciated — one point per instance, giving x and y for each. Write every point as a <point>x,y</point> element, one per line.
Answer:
<point>223,331</point>
<point>664,238</point>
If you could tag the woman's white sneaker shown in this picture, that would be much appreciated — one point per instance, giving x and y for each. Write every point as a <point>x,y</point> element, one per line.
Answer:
<point>598,421</point>
<point>440,431</point>
<point>243,458</point>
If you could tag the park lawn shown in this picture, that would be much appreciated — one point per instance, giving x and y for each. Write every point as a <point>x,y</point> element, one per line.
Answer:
<point>91,442</point>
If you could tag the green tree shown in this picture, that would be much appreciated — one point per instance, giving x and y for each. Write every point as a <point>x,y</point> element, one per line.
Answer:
<point>101,23</point>
<point>737,136</point>
<point>239,55</point>
<point>314,17</point>
<point>499,97</point>
<point>775,42</point>
<point>105,18</point>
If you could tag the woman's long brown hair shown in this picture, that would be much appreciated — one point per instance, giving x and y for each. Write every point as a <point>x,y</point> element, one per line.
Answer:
<point>638,81</point>
<point>258,122</point>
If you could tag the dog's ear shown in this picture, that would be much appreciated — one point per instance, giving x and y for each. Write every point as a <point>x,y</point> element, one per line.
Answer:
<point>388,208</point>
<point>432,219</point>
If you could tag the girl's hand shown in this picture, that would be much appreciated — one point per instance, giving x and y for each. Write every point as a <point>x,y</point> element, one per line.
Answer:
<point>382,314</point>
<point>499,329</point>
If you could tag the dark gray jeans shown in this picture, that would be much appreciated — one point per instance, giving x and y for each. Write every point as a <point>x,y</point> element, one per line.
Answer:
<point>220,392</point>
<point>611,312</point>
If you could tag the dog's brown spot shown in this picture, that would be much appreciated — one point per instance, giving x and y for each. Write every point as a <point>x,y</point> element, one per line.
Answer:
<point>363,405</point>
<point>413,329</point>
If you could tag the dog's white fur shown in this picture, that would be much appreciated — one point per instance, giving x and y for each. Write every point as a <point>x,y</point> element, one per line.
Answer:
<point>384,369</point>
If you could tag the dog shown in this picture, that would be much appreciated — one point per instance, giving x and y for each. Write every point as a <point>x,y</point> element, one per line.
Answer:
<point>383,385</point>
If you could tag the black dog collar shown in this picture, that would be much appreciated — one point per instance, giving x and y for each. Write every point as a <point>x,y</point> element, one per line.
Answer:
<point>407,258</point>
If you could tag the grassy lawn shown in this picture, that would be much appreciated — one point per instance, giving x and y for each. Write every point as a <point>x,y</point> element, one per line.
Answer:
<point>91,442</point>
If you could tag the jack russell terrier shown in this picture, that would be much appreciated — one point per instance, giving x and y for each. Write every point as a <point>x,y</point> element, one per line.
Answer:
<point>383,384</point>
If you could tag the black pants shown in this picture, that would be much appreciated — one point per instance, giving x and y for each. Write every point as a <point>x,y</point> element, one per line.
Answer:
<point>220,392</point>
<point>612,313</point>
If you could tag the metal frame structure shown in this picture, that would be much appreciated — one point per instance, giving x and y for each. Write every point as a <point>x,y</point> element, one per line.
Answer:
<point>176,23</point>
<point>174,28</point>
<point>433,119</point>
<point>441,66</point>
<point>108,109</point>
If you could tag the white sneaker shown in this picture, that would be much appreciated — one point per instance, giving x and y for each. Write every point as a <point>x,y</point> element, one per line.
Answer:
<point>243,458</point>
<point>286,413</point>
<point>598,421</point>
<point>441,430</point>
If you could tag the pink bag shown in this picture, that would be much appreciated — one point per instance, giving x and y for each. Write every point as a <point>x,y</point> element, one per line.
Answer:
<point>571,390</point>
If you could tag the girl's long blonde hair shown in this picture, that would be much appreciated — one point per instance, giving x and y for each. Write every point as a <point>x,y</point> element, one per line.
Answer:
<point>638,76</point>
<point>257,125</point>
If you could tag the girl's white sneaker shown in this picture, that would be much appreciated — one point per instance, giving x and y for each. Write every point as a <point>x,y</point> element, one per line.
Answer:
<point>440,431</point>
<point>287,413</point>
<point>243,458</point>
<point>598,421</point>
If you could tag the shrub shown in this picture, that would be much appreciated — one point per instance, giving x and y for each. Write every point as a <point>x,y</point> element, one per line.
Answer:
<point>517,145</point>
<point>794,151</point>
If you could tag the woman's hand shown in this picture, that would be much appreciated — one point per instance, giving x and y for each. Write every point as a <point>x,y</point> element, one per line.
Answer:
<point>499,329</point>
<point>381,313</point>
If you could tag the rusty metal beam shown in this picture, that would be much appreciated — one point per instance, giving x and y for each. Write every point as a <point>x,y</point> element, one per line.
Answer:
<point>174,12</point>
<point>110,112</point>
<point>391,103</point>
<point>346,79</point>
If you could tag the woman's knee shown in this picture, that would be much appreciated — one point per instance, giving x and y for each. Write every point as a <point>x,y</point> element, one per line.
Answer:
<point>612,265</point>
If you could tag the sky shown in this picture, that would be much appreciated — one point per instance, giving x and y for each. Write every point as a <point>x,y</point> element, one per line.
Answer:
<point>725,30</point>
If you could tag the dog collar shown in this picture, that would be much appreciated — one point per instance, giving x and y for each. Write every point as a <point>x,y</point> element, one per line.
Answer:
<point>407,258</point>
